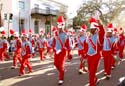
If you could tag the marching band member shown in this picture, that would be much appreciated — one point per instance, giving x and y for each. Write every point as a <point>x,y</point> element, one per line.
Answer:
<point>69,44</point>
<point>41,45</point>
<point>60,49</point>
<point>116,37</point>
<point>12,41</point>
<point>17,50</point>
<point>5,46</point>
<point>49,43</point>
<point>94,44</point>
<point>121,43</point>
<point>1,49</point>
<point>81,44</point>
<point>109,48</point>
<point>32,40</point>
<point>26,54</point>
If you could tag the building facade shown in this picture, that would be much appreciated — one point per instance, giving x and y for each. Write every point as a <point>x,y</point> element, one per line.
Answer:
<point>31,14</point>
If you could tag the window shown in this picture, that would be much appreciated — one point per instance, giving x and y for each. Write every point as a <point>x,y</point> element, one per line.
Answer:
<point>21,5</point>
<point>47,27</point>
<point>36,26</point>
<point>36,6</point>
<point>21,25</point>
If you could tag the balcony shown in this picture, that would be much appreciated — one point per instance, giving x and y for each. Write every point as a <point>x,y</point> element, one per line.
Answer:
<point>46,12</point>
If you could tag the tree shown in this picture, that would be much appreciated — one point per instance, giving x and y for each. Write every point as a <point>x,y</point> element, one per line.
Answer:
<point>105,12</point>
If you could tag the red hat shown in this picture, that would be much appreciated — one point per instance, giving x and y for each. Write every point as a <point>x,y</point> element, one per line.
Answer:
<point>61,22</point>
<point>110,27</point>
<point>115,30</point>
<point>121,30</point>
<point>12,31</point>
<point>36,35</point>
<point>41,32</point>
<point>30,31</point>
<point>93,23</point>
<point>3,32</point>
<point>60,19</point>
<point>83,28</point>
<point>24,33</point>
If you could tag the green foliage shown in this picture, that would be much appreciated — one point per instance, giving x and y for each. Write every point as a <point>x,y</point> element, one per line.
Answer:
<point>108,12</point>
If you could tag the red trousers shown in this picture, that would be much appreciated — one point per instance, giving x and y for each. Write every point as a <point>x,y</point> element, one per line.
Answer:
<point>25,62</point>
<point>113,61</point>
<point>82,58</point>
<point>48,49</point>
<point>93,62</point>
<point>107,61</point>
<point>41,54</point>
<point>3,55</point>
<point>6,55</point>
<point>59,62</point>
<point>69,55</point>
<point>17,57</point>
<point>121,52</point>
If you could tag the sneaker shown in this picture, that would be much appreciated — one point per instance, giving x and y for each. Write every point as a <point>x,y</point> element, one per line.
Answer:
<point>30,72</point>
<point>80,71</point>
<point>108,77</point>
<point>13,67</point>
<point>113,67</point>
<point>85,70</point>
<point>60,82</point>
<point>105,74</point>
<point>21,74</point>
<point>97,81</point>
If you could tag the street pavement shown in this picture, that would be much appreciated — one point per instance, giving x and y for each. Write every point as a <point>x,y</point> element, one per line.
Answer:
<point>45,74</point>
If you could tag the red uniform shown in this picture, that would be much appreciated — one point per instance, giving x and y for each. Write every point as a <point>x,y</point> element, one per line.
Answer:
<point>41,45</point>
<point>4,50</point>
<point>1,49</point>
<point>49,44</point>
<point>120,44</point>
<point>32,41</point>
<point>60,55</point>
<point>26,54</point>
<point>81,44</point>
<point>69,46</point>
<point>109,49</point>
<point>60,48</point>
<point>60,52</point>
<point>17,51</point>
<point>94,43</point>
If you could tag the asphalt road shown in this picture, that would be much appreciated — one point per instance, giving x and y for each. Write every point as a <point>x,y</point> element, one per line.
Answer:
<point>45,74</point>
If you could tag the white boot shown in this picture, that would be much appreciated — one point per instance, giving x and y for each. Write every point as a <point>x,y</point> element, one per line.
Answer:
<point>60,82</point>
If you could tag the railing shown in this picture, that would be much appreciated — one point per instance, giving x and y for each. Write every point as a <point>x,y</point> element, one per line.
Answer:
<point>44,11</point>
